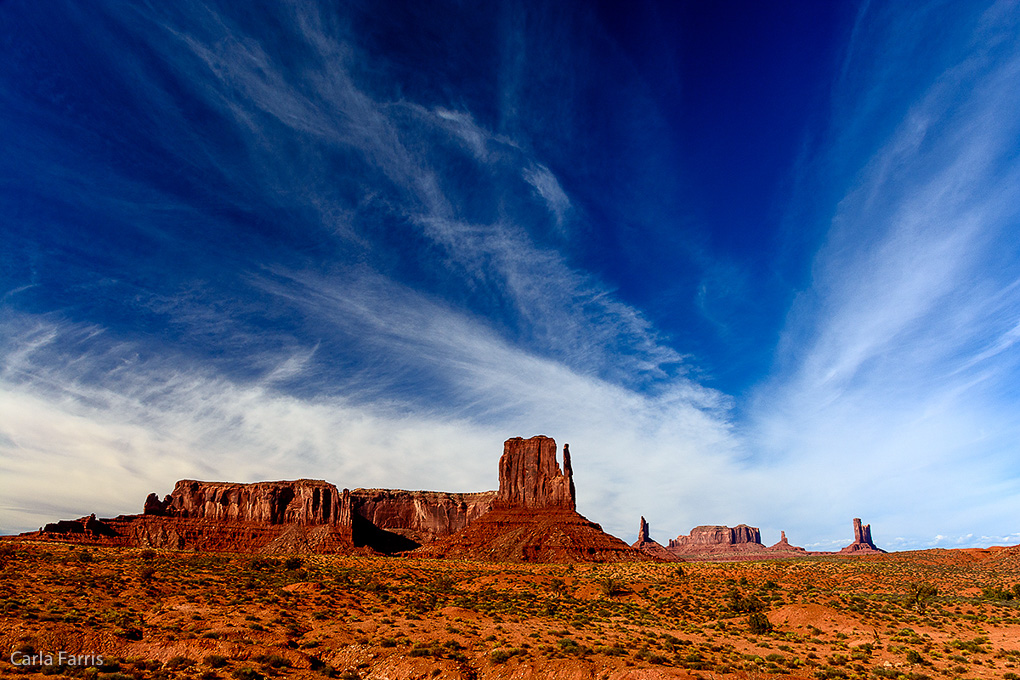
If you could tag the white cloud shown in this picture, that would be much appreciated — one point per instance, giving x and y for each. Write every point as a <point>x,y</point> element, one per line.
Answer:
<point>548,187</point>
<point>69,446</point>
<point>893,389</point>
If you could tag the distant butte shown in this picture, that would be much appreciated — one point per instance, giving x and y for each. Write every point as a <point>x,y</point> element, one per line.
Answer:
<point>784,546</point>
<point>532,517</point>
<point>711,540</point>
<point>862,540</point>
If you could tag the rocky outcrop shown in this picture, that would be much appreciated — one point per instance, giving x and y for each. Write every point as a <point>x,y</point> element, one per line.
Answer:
<point>717,537</point>
<point>421,516</point>
<point>304,502</point>
<point>862,540</point>
<point>645,544</point>
<point>548,535</point>
<point>533,517</point>
<point>83,529</point>
<point>784,546</point>
<point>154,506</point>
<point>274,517</point>
<point>302,516</point>
<point>530,477</point>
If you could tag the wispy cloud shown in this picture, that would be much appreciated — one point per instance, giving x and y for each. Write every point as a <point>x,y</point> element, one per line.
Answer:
<point>895,368</point>
<point>160,420</point>
<point>377,291</point>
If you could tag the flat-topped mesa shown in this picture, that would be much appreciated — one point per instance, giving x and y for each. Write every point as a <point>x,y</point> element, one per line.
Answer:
<point>862,540</point>
<point>302,502</point>
<point>711,536</point>
<point>530,477</point>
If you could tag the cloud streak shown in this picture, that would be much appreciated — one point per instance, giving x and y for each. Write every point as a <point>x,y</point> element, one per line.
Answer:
<point>265,258</point>
<point>895,363</point>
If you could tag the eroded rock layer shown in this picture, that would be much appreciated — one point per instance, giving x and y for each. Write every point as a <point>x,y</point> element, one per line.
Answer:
<point>718,539</point>
<point>420,516</point>
<point>303,501</point>
<point>544,535</point>
<point>530,477</point>
<point>784,546</point>
<point>533,517</point>
<point>862,540</point>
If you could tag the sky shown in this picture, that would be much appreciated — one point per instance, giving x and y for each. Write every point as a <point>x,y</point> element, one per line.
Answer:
<point>755,262</point>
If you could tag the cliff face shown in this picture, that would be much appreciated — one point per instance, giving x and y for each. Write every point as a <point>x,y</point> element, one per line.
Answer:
<point>533,517</point>
<point>420,515</point>
<point>299,516</point>
<point>711,536</point>
<point>530,477</point>
<point>304,501</point>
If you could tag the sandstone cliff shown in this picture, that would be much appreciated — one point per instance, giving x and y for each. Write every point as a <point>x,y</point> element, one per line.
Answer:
<point>530,477</point>
<point>718,536</point>
<point>420,516</point>
<point>304,501</point>
<point>711,540</point>
<point>276,517</point>
<point>533,517</point>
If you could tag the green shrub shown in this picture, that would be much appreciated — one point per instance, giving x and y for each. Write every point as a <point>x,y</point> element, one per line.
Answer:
<point>178,662</point>
<point>758,623</point>
<point>246,674</point>
<point>920,593</point>
<point>610,586</point>
<point>215,661</point>
<point>500,655</point>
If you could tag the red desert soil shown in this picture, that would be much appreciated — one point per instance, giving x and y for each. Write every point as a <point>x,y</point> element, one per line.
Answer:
<point>204,616</point>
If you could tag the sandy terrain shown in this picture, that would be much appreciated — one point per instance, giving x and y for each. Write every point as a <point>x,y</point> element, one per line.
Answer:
<point>190,615</point>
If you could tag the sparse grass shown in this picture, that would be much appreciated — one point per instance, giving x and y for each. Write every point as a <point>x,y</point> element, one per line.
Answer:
<point>469,615</point>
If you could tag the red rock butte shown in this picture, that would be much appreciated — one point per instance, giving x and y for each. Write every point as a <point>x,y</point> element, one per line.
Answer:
<point>533,518</point>
<point>530,477</point>
<point>862,540</point>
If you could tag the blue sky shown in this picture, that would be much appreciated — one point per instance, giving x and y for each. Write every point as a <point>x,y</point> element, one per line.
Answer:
<point>755,263</point>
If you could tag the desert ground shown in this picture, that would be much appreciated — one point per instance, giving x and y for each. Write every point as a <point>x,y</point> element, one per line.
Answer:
<point>155,614</point>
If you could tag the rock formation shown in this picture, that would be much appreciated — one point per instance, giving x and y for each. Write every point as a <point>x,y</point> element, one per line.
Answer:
<point>533,517</point>
<point>530,477</point>
<point>421,516</point>
<point>710,537</point>
<point>265,517</point>
<point>784,546</point>
<point>84,528</point>
<point>304,502</point>
<point>645,544</point>
<point>862,540</point>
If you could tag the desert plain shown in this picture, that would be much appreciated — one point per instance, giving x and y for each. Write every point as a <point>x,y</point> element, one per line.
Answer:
<point>184,614</point>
